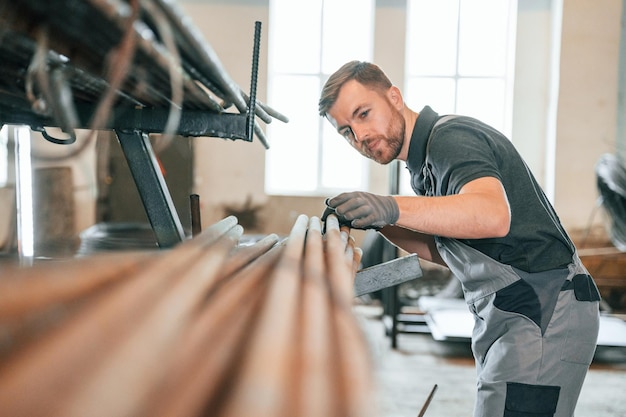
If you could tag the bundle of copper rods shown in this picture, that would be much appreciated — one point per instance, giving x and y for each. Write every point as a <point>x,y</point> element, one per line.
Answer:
<point>209,327</point>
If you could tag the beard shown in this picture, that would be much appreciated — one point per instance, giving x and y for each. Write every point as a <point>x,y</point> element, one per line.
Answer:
<point>391,141</point>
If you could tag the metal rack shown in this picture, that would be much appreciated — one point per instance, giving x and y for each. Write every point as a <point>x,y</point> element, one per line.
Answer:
<point>135,67</point>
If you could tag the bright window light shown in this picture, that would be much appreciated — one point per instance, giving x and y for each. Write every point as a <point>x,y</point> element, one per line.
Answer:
<point>308,41</point>
<point>459,60</point>
<point>24,189</point>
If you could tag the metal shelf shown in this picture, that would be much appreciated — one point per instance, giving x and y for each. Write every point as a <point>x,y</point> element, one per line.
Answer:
<point>131,67</point>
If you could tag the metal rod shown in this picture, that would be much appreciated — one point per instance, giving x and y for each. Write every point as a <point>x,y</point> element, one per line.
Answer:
<point>196,220</point>
<point>159,328</point>
<point>243,255</point>
<point>316,348</point>
<point>106,319</point>
<point>210,351</point>
<point>269,358</point>
<point>203,329</point>
<point>253,79</point>
<point>355,378</point>
<point>428,400</point>
<point>24,291</point>
<point>39,298</point>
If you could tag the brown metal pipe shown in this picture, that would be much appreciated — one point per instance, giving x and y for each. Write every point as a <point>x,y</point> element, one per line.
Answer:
<point>134,365</point>
<point>243,255</point>
<point>355,381</point>
<point>109,318</point>
<point>209,328</point>
<point>267,364</point>
<point>24,291</point>
<point>318,391</point>
<point>208,355</point>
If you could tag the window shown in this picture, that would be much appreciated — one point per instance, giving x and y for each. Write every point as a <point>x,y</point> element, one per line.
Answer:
<point>308,41</point>
<point>459,60</point>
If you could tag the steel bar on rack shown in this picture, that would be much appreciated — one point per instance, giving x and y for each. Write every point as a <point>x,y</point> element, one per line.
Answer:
<point>74,345</point>
<point>355,383</point>
<point>210,328</point>
<point>193,45</point>
<point>151,56</point>
<point>253,80</point>
<point>263,387</point>
<point>16,53</point>
<point>269,110</point>
<point>341,258</point>
<point>152,64</point>
<point>36,299</point>
<point>317,393</point>
<point>132,367</point>
<point>243,255</point>
<point>209,354</point>
<point>114,10</point>
<point>29,290</point>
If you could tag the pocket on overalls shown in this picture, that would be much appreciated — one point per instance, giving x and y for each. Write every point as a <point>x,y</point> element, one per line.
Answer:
<point>524,400</point>
<point>581,297</point>
<point>519,298</point>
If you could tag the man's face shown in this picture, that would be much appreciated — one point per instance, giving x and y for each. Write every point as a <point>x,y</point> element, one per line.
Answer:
<point>369,120</point>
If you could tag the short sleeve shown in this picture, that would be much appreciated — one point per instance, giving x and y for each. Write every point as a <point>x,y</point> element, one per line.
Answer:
<point>458,155</point>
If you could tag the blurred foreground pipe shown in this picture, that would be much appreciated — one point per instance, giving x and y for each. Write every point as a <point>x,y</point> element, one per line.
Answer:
<point>264,386</point>
<point>318,394</point>
<point>206,328</point>
<point>130,369</point>
<point>26,290</point>
<point>92,332</point>
<point>210,352</point>
<point>355,382</point>
<point>34,300</point>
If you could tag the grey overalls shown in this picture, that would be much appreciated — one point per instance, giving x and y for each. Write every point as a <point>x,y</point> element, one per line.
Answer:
<point>534,335</point>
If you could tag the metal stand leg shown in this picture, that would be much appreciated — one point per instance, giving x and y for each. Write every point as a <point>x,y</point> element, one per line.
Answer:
<point>152,187</point>
<point>390,299</point>
<point>391,309</point>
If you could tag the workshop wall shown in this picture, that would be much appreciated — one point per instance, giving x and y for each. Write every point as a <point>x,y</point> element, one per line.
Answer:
<point>586,122</point>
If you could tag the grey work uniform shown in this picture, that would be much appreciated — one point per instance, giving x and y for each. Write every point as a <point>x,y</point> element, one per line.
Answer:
<point>535,305</point>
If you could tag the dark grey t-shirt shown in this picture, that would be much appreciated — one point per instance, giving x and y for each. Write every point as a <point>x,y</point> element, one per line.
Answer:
<point>463,149</point>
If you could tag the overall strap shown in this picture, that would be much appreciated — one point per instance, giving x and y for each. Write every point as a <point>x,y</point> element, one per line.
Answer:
<point>429,182</point>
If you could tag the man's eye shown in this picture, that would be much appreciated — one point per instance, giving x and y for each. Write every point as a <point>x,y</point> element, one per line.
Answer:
<point>364,114</point>
<point>348,134</point>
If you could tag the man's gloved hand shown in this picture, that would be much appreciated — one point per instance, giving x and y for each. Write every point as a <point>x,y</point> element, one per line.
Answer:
<point>361,210</point>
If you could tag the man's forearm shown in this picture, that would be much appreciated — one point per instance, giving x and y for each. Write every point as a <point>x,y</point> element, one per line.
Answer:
<point>413,242</point>
<point>480,210</point>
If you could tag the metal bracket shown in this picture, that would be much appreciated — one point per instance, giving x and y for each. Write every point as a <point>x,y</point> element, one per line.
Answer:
<point>152,188</point>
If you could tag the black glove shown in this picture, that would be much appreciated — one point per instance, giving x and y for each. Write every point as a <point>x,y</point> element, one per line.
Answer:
<point>361,210</point>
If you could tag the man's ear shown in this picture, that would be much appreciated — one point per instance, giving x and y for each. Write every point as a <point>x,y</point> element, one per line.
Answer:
<point>395,96</point>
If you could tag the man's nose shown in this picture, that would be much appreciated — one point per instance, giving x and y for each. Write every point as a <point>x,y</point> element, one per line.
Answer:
<point>360,134</point>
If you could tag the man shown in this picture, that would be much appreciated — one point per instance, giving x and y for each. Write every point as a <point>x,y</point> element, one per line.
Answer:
<point>480,212</point>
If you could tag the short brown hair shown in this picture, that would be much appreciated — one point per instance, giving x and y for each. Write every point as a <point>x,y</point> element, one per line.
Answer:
<point>365,73</point>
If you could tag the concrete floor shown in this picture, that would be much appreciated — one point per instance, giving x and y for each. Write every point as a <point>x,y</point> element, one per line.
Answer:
<point>405,376</point>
